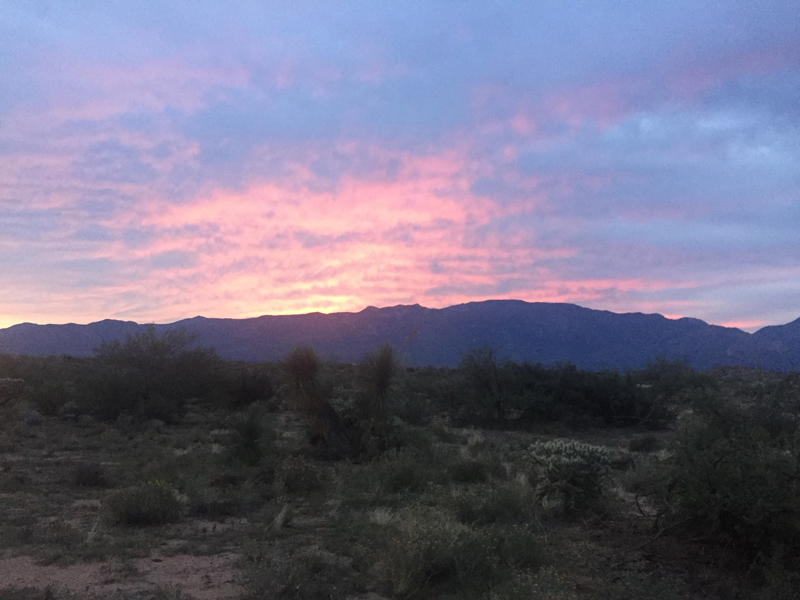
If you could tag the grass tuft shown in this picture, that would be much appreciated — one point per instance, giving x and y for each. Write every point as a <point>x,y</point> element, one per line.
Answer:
<point>91,474</point>
<point>153,502</point>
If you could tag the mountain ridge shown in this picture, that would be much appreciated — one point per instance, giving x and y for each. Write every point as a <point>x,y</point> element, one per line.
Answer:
<point>539,332</point>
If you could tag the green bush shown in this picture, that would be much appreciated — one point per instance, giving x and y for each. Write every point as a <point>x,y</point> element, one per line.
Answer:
<point>736,482</point>
<point>149,376</point>
<point>569,475</point>
<point>486,390</point>
<point>49,396</point>
<point>431,551</point>
<point>153,502</point>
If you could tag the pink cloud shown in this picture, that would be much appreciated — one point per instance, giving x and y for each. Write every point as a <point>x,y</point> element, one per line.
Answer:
<point>604,103</point>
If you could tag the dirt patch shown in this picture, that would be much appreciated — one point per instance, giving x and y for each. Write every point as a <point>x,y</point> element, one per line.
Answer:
<point>200,577</point>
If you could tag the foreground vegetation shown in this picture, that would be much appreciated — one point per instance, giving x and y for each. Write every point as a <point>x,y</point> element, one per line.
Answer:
<point>325,480</point>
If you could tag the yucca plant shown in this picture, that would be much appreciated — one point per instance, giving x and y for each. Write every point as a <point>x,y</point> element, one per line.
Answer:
<point>247,438</point>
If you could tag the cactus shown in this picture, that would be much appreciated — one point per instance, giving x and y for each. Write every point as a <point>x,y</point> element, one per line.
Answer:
<point>569,474</point>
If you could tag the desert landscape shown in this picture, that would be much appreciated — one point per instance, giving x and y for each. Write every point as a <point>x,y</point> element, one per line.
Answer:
<point>421,300</point>
<point>307,479</point>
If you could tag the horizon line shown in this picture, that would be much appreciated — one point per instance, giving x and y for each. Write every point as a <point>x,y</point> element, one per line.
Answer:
<point>749,327</point>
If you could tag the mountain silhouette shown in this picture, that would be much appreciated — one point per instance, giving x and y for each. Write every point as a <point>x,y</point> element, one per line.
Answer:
<point>537,332</point>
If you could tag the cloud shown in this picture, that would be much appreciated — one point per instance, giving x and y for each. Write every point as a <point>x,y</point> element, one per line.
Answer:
<point>111,161</point>
<point>281,157</point>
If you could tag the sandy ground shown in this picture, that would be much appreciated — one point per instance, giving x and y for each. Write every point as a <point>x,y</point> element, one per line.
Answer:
<point>199,577</point>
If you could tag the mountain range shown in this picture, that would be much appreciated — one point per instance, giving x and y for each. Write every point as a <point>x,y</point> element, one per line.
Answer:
<point>537,332</point>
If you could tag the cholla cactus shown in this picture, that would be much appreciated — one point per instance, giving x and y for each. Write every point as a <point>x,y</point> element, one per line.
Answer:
<point>569,474</point>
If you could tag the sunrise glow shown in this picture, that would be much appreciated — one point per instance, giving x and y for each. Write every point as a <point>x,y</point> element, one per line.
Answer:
<point>254,161</point>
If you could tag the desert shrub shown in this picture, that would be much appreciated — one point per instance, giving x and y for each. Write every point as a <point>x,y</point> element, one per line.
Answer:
<point>11,388</point>
<point>299,475</point>
<point>49,396</point>
<point>432,551</point>
<point>380,439</point>
<point>149,376</point>
<point>649,477</point>
<point>403,472</point>
<point>667,378</point>
<point>736,482</point>
<point>31,418</point>
<point>519,394</point>
<point>215,503</point>
<point>485,398</point>
<point>608,398</point>
<point>91,474</point>
<point>468,470</point>
<point>153,502</point>
<point>309,577</point>
<point>506,504</point>
<point>414,409</point>
<point>516,547</point>
<point>46,382</point>
<point>645,443</point>
<point>569,475</point>
<point>250,385</point>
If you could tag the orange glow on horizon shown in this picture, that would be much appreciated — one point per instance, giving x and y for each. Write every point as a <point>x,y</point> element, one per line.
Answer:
<point>752,324</point>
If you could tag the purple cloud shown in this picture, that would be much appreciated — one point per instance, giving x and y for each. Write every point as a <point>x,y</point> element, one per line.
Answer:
<point>637,156</point>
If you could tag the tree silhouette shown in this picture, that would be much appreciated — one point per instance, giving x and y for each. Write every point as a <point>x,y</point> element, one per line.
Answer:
<point>303,366</point>
<point>377,370</point>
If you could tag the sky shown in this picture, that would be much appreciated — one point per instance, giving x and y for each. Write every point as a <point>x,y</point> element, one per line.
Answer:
<point>162,160</point>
